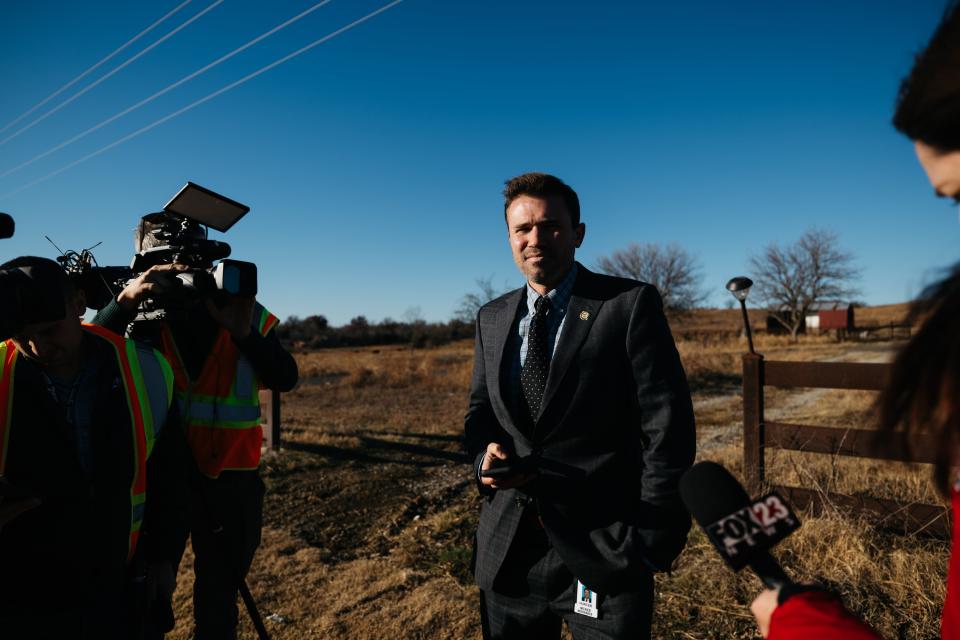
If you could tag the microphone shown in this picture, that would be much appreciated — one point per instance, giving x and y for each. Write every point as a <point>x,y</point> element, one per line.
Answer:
<point>742,530</point>
<point>6,226</point>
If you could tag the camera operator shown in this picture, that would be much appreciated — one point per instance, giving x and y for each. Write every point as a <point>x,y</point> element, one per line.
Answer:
<point>924,389</point>
<point>83,441</point>
<point>222,350</point>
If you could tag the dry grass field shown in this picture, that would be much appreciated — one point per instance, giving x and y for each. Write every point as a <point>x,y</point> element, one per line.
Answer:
<point>370,508</point>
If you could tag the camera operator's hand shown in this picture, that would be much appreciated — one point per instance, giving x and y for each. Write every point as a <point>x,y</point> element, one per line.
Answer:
<point>235,316</point>
<point>153,282</point>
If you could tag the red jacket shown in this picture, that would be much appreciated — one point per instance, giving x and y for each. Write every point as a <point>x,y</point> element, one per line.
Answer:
<point>950,626</point>
<point>815,614</point>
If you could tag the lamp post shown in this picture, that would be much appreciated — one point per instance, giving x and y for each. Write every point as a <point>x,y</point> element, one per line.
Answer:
<point>739,287</point>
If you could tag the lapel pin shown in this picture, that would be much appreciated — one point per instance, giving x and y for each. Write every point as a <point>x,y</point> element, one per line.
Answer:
<point>584,315</point>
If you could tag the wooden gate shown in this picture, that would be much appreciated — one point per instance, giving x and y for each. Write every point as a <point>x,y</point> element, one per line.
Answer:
<point>760,434</point>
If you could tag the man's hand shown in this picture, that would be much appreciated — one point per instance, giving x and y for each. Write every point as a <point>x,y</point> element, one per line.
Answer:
<point>235,316</point>
<point>496,455</point>
<point>762,609</point>
<point>153,282</point>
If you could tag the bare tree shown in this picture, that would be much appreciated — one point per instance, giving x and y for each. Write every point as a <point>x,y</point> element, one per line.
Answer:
<point>790,280</point>
<point>471,302</point>
<point>671,269</point>
<point>413,315</point>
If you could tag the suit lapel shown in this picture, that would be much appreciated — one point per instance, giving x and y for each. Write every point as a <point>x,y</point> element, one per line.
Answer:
<point>580,315</point>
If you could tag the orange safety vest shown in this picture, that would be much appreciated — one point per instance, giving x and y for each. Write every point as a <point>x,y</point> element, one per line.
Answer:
<point>138,401</point>
<point>221,408</point>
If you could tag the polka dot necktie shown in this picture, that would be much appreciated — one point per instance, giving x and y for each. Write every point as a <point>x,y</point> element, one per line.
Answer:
<point>533,376</point>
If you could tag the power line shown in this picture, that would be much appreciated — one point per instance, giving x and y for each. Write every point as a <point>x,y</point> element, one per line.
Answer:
<point>94,67</point>
<point>167,89</point>
<point>206,98</point>
<point>107,75</point>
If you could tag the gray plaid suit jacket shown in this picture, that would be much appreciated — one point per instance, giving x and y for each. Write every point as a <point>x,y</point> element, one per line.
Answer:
<point>614,434</point>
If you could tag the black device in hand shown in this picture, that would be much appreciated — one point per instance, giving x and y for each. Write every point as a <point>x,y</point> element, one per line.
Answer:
<point>507,468</point>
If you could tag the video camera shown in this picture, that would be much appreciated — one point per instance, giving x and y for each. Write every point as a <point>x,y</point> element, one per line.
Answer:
<point>22,303</point>
<point>178,234</point>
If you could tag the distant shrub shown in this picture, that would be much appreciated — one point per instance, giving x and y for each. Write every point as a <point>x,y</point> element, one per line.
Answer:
<point>314,332</point>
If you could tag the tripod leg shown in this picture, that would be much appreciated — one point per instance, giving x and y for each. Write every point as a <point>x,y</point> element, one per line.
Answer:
<point>252,610</point>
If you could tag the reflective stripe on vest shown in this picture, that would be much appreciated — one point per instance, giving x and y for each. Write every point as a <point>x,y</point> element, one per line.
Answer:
<point>221,408</point>
<point>141,418</point>
<point>8,360</point>
<point>222,414</point>
<point>138,403</point>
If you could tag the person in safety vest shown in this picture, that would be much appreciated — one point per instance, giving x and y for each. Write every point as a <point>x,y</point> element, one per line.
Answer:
<point>221,357</point>
<point>93,484</point>
<point>924,386</point>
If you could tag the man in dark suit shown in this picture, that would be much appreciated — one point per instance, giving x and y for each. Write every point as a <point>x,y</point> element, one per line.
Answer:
<point>580,426</point>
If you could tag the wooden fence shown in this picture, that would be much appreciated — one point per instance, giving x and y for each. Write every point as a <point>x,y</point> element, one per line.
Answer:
<point>760,434</point>
<point>889,331</point>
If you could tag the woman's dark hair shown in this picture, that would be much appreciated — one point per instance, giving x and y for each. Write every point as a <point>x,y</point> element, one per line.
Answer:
<point>924,389</point>
<point>928,104</point>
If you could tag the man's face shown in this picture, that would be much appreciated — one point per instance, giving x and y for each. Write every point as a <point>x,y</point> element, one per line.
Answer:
<point>542,239</point>
<point>54,345</point>
<point>943,169</point>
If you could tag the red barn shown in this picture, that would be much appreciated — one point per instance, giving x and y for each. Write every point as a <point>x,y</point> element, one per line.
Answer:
<point>830,316</point>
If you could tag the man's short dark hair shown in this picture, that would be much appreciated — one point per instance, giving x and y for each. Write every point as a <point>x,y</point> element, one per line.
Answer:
<point>542,185</point>
<point>928,104</point>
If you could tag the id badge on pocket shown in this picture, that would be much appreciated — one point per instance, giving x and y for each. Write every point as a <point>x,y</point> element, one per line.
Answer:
<point>586,601</point>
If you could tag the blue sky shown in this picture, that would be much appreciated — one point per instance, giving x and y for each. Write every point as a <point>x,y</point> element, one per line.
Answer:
<point>373,163</point>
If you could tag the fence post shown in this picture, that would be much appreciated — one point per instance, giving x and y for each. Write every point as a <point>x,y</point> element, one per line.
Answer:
<point>270,416</point>
<point>275,420</point>
<point>753,470</point>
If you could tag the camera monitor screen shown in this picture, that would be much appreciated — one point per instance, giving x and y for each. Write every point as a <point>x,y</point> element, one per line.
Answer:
<point>206,207</point>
